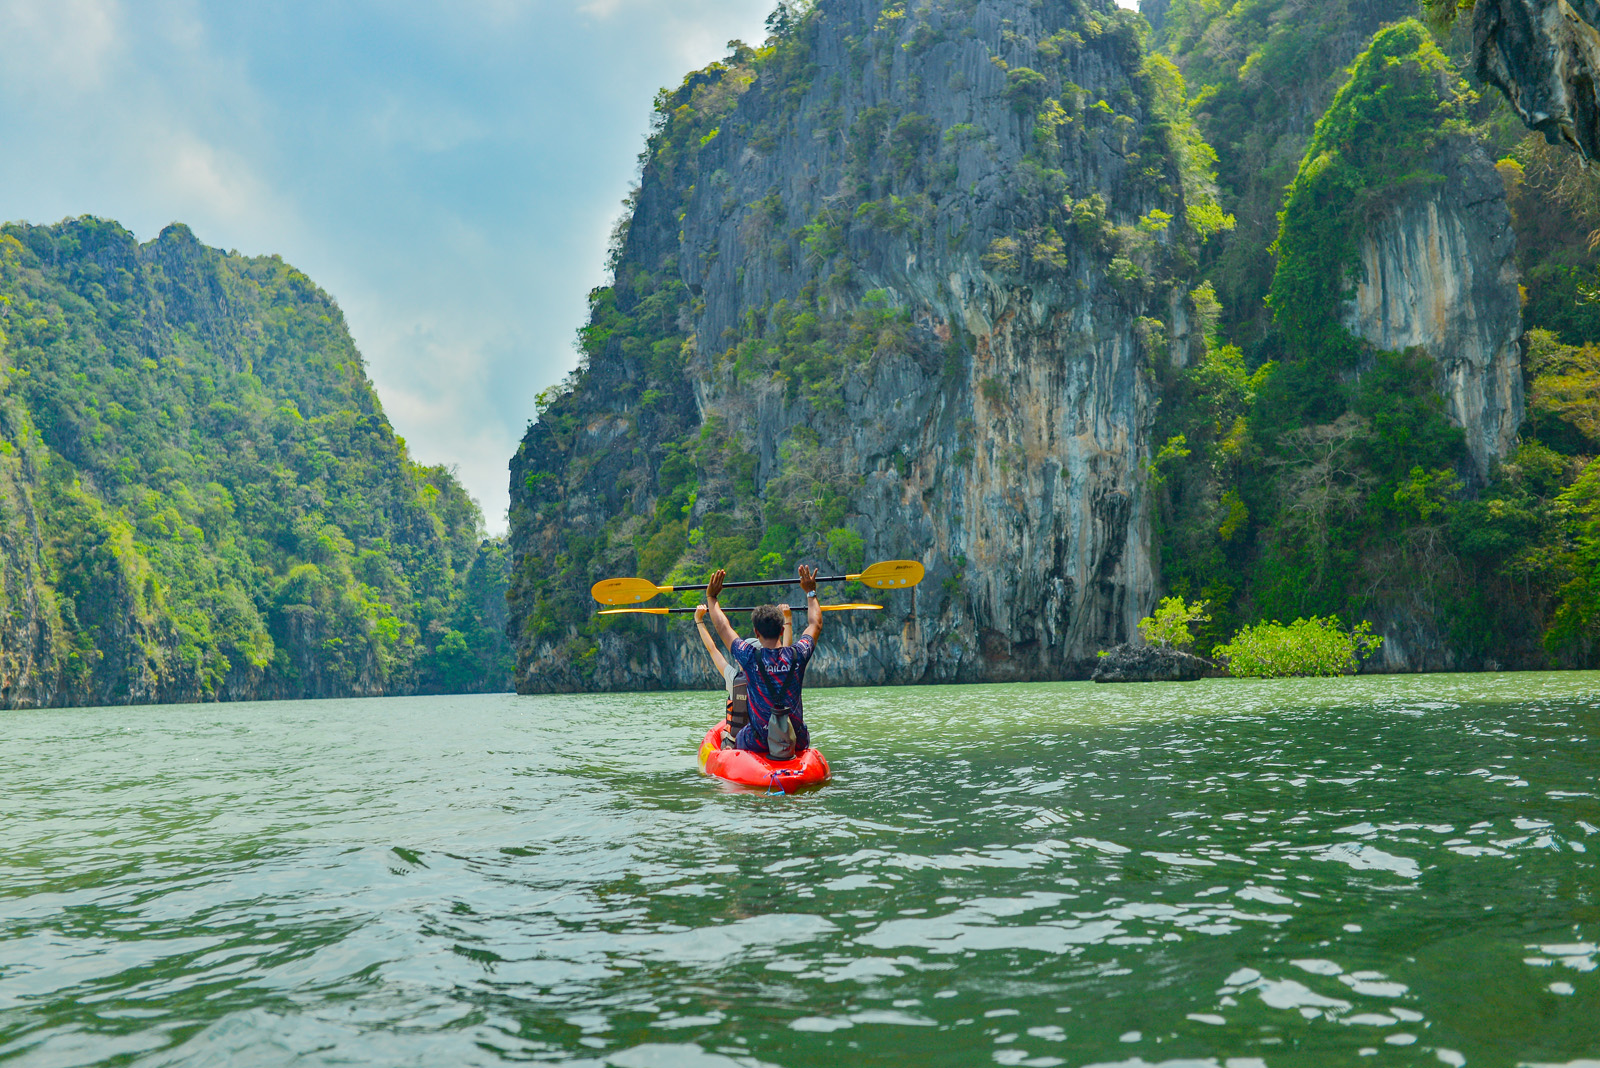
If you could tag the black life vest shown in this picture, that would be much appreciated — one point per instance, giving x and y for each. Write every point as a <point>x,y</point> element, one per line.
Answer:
<point>739,704</point>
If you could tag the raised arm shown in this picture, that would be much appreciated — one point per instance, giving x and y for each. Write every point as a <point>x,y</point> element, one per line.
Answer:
<point>808,582</point>
<point>788,626</point>
<point>719,619</point>
<point>705,639</point>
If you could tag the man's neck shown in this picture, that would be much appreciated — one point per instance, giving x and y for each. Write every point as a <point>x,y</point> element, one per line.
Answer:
<point>769,643</point>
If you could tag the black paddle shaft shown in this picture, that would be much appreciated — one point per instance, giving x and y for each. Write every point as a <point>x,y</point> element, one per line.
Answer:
<point>698,607</point>
<point>764,582</point>
<point>733,585</point>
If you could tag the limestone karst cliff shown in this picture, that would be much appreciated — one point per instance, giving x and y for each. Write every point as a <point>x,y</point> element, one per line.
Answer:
<point>1354,445</point>
<point>201,497</point>
<point>1544,55</point>
<point>955,281</point>
<point>891,287</point>
<point>1439,272</point>
<point>1398,211</point>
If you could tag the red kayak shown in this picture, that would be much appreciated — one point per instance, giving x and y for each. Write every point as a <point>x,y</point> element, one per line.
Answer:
<point>752,769</point>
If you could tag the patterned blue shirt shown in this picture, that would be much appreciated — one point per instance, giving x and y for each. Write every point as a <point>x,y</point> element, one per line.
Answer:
<point>780,664</point>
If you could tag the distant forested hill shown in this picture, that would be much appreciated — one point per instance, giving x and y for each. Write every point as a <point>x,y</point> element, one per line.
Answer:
<point>201,498</point>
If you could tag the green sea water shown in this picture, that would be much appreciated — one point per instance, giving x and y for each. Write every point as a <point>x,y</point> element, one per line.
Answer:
<point>1232,873</point>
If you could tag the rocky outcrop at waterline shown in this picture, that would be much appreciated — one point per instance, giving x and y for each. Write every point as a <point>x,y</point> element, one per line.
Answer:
<point>1149,663</point>
<point>890,287</point>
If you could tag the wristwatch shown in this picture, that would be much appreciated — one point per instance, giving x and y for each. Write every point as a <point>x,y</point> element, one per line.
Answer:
<point>812,594</point>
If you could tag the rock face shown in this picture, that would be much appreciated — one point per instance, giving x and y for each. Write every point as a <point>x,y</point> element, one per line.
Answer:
<point>1545,56</point>
<point>1149,663</point>
<point>958,201</point>
<point>201,497</point>
<point>1271,68</point>
<point>30,623</point>
<point>1439,271</point>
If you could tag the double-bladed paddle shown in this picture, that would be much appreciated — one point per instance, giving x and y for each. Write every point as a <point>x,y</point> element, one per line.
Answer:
<point>671,611</point>
<point>887,575</point>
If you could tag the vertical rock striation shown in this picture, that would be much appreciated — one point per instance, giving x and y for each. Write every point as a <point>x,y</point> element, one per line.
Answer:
<point>891,275</point>
<point>1439,271</point>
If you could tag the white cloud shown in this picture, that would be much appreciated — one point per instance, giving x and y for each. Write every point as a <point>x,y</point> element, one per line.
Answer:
<point>216,185</point>
<point>449,172</point>
<point>59,44</point>
<point>691,32</point>
<point>137,119</point>
<point>602,9</point>
<point>435,384</point>
<point>403,121</point>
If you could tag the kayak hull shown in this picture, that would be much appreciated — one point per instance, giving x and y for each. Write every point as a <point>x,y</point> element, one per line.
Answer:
<point>752,769</point>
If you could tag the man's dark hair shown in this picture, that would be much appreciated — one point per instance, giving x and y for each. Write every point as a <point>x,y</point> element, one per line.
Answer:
<point>768,621</point>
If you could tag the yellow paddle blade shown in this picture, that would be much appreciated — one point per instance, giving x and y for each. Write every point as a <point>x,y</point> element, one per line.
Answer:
<point>621,611</point>
<point>624,590</point>
<point>852,607</point>
<point>891,575</point>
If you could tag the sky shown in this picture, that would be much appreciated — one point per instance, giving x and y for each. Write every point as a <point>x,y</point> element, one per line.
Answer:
<point>448,171</point>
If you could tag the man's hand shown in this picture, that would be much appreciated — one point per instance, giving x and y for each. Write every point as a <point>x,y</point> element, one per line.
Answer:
<point>705,639</point>
<point>808,582</point>
<point>785,610</point>
<point>719,618</point>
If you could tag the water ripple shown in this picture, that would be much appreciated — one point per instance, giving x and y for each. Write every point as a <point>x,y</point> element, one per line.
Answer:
<point>1222,873</point>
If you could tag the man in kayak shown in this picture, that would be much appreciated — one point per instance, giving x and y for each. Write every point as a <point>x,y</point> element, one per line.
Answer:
<point>774,673</point>
<point>738,711</point>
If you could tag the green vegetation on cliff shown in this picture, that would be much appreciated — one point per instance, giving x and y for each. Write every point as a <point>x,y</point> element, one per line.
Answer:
<point>1319,476</point>
<point>675,491</point>
<point>200,496</point>
<point>1377,138</point>
<point>1304,484</point>
<point>1260,74</point>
